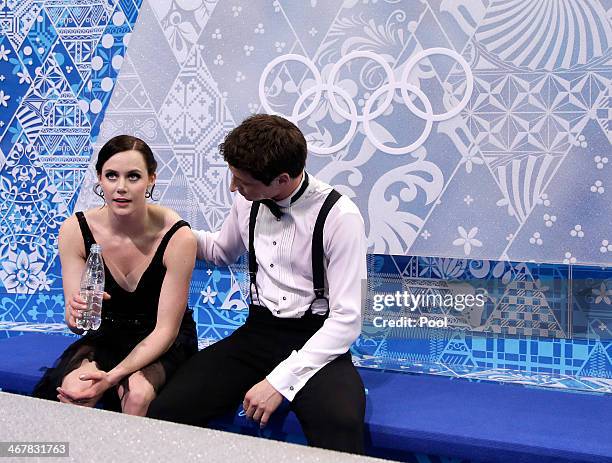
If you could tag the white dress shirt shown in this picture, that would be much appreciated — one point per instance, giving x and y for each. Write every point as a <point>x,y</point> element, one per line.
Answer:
<point>284,277</point>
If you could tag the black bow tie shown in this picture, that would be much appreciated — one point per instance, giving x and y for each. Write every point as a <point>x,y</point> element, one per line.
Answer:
<point>273,205</point>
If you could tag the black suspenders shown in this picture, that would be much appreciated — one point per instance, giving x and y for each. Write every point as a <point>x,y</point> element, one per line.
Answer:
<point>318,268</point>
<point>252,260</point>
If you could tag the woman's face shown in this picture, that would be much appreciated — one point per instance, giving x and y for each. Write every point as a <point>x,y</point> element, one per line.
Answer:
<point>124,180</point>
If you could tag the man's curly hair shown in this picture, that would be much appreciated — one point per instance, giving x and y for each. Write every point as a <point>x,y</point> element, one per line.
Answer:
<point>265,146</point>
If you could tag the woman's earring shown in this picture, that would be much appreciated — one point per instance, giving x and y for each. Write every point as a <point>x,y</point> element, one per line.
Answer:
<point>99,191</point>
<point>149,192</point>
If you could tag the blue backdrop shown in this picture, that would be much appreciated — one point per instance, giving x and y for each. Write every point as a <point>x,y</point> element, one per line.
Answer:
<point>475,130</point>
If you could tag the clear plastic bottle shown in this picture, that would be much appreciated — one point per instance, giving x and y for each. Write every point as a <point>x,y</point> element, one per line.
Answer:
<point>92,289</point>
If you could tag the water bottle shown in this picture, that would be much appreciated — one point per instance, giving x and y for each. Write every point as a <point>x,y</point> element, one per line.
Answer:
<point>92,289</point>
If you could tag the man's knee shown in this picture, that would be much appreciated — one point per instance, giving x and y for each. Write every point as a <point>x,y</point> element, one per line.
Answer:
<point>346,420</point>
<point>161,409</point>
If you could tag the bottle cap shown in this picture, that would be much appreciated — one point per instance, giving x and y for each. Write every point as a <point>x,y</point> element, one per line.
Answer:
<point>95,248</point>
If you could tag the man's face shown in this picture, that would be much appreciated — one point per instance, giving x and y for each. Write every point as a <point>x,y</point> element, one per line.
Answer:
<point>252,189</point>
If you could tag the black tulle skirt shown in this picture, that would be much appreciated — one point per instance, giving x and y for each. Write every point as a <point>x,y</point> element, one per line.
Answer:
<point>108,346</point>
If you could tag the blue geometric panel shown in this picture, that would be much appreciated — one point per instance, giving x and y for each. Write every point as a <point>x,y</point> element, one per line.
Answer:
<point>30,218</point>
<point>14,83</point>
<point>16,18</point>
<point>39,42</point>
<point>80,25</point>
<point>105,64</point>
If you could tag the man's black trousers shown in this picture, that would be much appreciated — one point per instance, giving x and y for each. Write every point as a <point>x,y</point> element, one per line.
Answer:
<point>330,407</point>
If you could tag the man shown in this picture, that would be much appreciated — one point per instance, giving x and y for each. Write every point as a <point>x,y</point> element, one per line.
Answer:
<point>306,309</point>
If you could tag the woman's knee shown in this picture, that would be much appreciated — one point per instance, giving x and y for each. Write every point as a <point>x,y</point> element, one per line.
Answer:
<point>138,395</point>
<point>71,383</point>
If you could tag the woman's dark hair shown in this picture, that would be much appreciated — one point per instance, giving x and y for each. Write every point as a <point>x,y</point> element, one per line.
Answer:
<point>122,143</point>
<point>265,146</point>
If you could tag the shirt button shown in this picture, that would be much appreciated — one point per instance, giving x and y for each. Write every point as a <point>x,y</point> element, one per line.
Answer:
<point>278,219</point>
<point>271,265</point>
<point>278,311</point>
<point>284,298</point>
<point>274,243</point>
<point>291,388</point>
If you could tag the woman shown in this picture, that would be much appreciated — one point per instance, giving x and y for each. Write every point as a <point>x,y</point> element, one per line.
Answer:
<point>147,330</point>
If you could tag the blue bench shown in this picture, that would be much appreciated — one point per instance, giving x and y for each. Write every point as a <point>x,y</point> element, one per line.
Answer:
<point>411,414</point>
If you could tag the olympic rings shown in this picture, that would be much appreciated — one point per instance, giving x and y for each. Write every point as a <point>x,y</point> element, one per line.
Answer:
<point>279,59</point>
<point>361,54</point>
<point>352,129</point>
<point>391,85</point>
<point>428,120</point>
<point>466,69</point>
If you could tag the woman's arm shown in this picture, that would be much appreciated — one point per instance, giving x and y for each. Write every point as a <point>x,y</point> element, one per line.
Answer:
<point>72,257</point>
<point>179,260</point>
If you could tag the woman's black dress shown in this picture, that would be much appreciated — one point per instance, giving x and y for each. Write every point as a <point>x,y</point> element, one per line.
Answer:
<point>127,318</point>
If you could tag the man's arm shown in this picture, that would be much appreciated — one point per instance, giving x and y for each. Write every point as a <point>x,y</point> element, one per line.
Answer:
<point>346,250</point>
<point>224,246</point>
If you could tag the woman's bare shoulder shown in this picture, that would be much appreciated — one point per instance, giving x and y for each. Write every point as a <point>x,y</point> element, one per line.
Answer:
<point>69,226</point>
<point>70,237</point>
<point>168,216</point>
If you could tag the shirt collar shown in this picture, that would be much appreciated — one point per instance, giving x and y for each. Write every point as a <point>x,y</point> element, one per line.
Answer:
<point>297,193</point>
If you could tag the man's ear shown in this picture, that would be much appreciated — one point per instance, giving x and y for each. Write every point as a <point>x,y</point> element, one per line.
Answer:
<point>283,179</point>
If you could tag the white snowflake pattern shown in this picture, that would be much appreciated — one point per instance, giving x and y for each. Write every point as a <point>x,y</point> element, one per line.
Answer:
<point>606,246</point>
<point>4,53</point>
<point>259,29</point>
<point>598,187</point>
<point>208,296</point>
<point>24,78</point>
<point>577,231</point>
<point>536,239</point>
<point>543,199</point>
<point>22,272</point>
<point>468,200</point>
<point>425,234</point>
<point>600,161</point>
<point>467,239</point>
<point>602,294</point>
<point>549,219</point>
<point>248,49</point>
<point>569,259</point>
<point>470,158</point>
<point>4,99</point>
<point>580,141</point>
